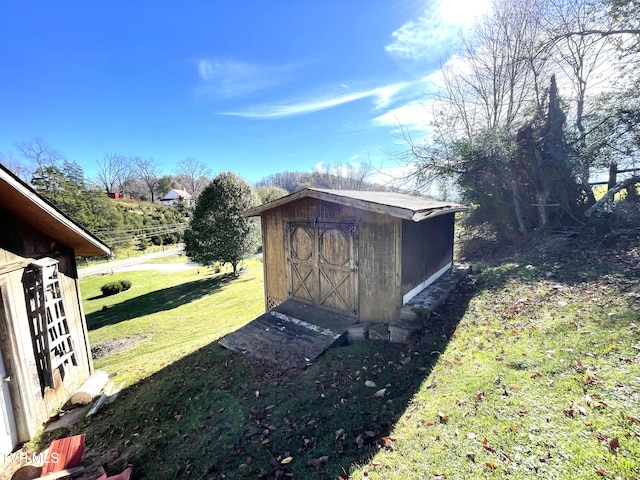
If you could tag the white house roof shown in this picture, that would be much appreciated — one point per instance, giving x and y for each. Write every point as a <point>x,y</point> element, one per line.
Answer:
<point>21,201</point>
<point>176,194</point>
<point>400,205</point>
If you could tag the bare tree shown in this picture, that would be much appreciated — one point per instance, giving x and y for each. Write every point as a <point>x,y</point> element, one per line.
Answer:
<point>113,171</point>
<point>39,153</point>
<point>13,165</point>
<point>147,171</point>
<point>343,176</point>
<point>586,61</point>
<point>193,174</point>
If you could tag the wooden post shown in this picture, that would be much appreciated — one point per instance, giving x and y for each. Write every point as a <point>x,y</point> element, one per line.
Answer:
<point>613,172</point>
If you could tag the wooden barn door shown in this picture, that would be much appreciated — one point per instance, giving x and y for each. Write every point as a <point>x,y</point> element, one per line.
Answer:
<point>323,268</point>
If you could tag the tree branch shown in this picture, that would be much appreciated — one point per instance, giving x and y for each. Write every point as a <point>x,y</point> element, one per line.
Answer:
<point>610,194</point>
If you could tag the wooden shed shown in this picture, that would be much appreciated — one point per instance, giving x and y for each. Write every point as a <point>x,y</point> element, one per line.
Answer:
<point>358,253</point>
<point>44,351</point>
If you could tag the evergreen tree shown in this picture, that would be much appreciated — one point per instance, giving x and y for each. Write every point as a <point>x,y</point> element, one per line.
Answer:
<point>219,231</point>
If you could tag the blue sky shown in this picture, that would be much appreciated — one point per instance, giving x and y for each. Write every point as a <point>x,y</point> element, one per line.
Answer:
<point>255,87</point>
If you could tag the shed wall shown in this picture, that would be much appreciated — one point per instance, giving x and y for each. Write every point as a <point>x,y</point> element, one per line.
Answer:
<point>34,403</point>
<point>427,247</point>
<point>378,254</point>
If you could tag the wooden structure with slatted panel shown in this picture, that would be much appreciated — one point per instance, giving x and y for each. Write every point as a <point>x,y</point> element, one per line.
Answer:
<point>360,254</point>
<point>44,349</point>
<point>54,344</point>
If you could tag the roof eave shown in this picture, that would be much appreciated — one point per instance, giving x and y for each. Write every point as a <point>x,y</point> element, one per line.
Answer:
<point>398,212</point>
<point>86,245</point>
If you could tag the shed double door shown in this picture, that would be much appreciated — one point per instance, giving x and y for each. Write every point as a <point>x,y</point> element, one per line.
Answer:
<point>322,265</point>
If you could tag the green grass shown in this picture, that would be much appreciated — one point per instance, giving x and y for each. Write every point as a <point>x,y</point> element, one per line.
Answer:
<point>530,370</point>
<point>176,313</point>
<point>540,380</point>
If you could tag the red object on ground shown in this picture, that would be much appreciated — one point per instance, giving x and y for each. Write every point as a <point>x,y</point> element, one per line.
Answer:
<point>63,453</point>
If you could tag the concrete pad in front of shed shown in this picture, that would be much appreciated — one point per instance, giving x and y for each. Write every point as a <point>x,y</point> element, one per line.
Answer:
<point>292,335</point>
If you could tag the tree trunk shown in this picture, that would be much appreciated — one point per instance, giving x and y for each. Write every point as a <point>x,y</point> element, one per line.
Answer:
<point>608,197</point>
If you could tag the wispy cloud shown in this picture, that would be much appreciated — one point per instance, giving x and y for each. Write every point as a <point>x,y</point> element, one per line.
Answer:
<point>230,78</point>
<point>415,114</point>
<point>381,95</point>
<point>423,38</point>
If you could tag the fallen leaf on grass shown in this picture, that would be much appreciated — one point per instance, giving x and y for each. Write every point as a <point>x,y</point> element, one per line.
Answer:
<point>515,388</point>
<point>490,466</point>
<point>340,434</point>
<point>614,445</point>
<point>443,417</point>
<point>286,460</point>
<point>569,412</point>
<point>489,449</point>
<point>318,462</point>
<point>373,463</point>
<point>593,403</point>
<point>480,396</point>
<point>388,441</point>
<point>381,392</point>
<point>602,471</point>
<point>370,384</point>
<point>632,419</point>
<point>505,457</point>
<point>590,379</point>
<point>579,366</point>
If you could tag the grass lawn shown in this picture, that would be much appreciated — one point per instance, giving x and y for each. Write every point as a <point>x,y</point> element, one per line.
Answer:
<point>530,370</point>
<point>168,315</point>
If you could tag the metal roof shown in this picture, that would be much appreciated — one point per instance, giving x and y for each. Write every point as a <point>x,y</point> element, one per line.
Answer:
<point>21,201</point>
<point>400,205</point>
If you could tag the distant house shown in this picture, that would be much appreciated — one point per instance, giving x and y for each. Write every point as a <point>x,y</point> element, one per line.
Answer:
<point>44,350</point>
<point>175,197</point>
<point>357,253</point>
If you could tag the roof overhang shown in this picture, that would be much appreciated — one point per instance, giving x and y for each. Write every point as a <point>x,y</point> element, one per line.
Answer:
<point>399,205</point>
<point>21,201</point>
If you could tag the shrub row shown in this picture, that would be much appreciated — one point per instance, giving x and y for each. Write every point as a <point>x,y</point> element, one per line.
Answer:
<point>112,288</point>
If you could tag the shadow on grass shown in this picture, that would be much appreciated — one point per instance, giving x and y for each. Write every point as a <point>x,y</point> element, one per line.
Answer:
<point>158,301</point>
<point>562,262</point>
<point>215,413</point>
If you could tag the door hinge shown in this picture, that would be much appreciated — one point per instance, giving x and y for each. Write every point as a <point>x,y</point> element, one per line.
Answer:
<point>354,311</point>
<point>354,269</point>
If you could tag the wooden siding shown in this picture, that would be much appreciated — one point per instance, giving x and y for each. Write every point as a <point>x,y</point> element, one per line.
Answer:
<point>377,254</point>
<point>426,248</point>
<point>33,403</point>
<point>380,299</point>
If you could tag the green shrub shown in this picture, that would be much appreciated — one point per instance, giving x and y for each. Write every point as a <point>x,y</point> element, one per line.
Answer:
<point>126,284</point>
<point>111,288</point>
